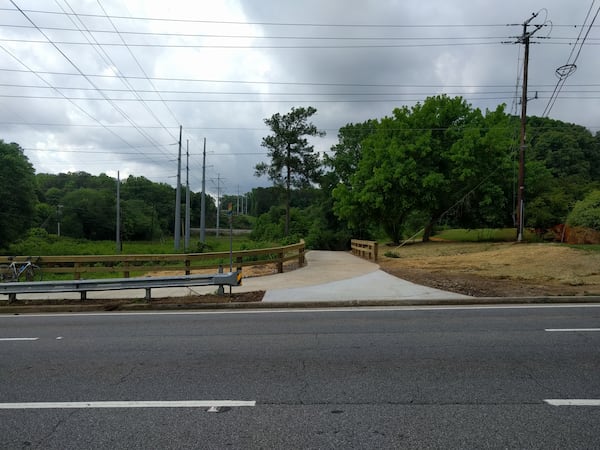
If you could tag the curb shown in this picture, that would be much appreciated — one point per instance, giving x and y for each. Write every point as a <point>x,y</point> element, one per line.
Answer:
<point>475,301</point>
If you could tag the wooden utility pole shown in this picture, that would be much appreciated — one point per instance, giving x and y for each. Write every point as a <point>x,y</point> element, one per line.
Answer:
<point>524,39</point>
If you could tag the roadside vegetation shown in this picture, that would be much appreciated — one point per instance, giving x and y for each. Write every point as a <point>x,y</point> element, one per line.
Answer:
<point>438,170</point>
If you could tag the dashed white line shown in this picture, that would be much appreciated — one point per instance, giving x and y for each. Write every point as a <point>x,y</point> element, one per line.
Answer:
<point>573,402</point>
<point>131,404</point>
<point>19,339</point>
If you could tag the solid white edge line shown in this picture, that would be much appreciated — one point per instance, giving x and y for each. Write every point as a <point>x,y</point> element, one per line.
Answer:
<point>301,310</point>
<point>573,402</point>
<point>564,330</point>
<point>130,404</point>
<point>19,339</point>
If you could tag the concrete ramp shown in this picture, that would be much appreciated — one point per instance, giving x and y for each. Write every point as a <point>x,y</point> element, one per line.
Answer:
<point>339,276</point>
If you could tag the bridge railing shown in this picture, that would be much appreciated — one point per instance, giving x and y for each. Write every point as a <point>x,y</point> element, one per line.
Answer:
<point>365,249</point>
<point>90,266</point>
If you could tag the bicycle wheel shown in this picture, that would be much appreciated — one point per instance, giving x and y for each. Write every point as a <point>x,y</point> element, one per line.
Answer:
<point>4,271</point>
<point>7,273</point>
<point>33,273</point>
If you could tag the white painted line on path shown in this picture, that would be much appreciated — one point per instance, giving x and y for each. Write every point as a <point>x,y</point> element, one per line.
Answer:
<point>130,404</point>
<point>567,330</point>
<point>19,339</point>
<point>573,402</point>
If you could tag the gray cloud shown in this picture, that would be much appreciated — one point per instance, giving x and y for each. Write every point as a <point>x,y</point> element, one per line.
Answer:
<point>365,72</point>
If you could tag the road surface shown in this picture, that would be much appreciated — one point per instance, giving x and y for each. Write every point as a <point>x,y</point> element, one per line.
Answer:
<point>352,378</point>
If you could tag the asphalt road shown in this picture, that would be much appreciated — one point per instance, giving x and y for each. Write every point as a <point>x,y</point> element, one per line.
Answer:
<point>379,378</point>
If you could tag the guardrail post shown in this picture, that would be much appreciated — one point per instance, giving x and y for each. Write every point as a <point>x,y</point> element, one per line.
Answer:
<point>220,290</point>
<point>187,266</point>
<point>238,261</point>
<point>375,251</point>
<point>76,274</point>
<point>280,263</point>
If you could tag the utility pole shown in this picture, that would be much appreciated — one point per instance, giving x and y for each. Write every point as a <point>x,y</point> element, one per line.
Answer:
<point>177,230</point>
<point>118,233</point>
<point>218,200</point>
<point>186,242</point>
<point>203,198</point>
<point>523,39</point>
<point>58,218</point>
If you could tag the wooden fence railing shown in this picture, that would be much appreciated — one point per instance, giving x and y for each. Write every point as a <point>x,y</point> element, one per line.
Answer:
<point>365,249</point>
<point>184,263</point>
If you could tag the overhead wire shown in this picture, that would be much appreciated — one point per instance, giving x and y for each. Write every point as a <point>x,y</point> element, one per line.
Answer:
<point>569,68</point>
<point>76,67</point>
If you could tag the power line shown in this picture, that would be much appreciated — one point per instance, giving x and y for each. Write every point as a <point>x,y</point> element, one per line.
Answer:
<point>331,93</point>
<point>285,83</point>
<point>70,61</point>
<point>141,69</point>
<point>66,98</point>
<point>443,43</point>
<point>257,36</point>
<point>569,68</point>
<point>287,24</point>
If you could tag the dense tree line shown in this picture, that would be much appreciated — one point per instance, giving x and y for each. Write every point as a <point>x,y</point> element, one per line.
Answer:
<point>445,162</point>
<point>441,162</point>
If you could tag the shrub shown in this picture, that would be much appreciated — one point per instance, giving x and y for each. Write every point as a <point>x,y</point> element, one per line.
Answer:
<point>586,212</point>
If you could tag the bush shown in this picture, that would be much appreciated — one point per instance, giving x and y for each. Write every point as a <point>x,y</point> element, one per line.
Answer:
<point>586,212</point>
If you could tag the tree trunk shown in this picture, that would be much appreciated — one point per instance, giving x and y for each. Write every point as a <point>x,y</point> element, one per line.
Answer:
<point>428,231</point>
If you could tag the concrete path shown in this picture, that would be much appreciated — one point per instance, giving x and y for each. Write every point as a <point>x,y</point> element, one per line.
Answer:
<point>340,276</point>
<point>327,276</point>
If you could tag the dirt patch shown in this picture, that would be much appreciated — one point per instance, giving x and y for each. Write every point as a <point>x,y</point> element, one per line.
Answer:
<point>497,269</point>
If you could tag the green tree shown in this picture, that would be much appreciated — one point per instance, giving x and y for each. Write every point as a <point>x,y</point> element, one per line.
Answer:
<point>586,212</point>
<point>18,186</point>
<point>89,214</point>
<point>294,164</point>
<point>427,160</point>
<point>138,220</point>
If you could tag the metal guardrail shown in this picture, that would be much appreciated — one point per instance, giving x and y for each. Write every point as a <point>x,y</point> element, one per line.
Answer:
<point>148,283</point>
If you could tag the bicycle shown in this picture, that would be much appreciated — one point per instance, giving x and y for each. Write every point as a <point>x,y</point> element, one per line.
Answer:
<point>15,271</point>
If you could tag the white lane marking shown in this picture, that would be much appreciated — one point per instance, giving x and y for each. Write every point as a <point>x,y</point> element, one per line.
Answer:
<point>19,339</point>
<point>130,404</point>
<point>573,402</point>
<point>566,330</point>
<point>304,310</point>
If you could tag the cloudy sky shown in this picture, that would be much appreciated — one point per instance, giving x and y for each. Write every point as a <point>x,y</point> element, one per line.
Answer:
<point>103,85</point>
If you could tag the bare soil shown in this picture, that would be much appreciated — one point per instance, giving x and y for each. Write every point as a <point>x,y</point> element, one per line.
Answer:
<point>497,269</point>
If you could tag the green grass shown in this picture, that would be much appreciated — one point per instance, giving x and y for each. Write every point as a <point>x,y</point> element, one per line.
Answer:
<point>586,247</point>
<point>53,245</point>
<point>483,235</point>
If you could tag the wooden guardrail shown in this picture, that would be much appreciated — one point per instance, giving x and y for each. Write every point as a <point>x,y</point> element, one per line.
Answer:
<point>184,263</point>
<point>365,249</point>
